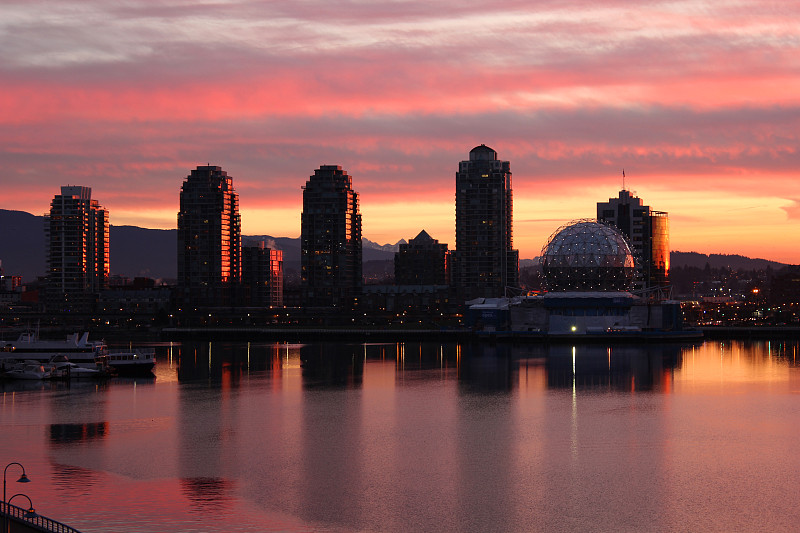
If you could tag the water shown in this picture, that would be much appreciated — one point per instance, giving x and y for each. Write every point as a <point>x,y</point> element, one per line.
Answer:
<point>418,437</point>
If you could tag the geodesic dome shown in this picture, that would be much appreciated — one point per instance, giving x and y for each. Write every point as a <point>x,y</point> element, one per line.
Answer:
<point>586,255</point>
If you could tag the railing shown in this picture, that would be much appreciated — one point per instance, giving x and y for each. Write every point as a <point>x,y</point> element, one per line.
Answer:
<point>41,522</point>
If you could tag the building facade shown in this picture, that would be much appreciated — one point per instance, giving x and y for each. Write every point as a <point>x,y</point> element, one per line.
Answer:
<point>484,263</point>
<point>422,261</point>
<point>77,232</point>
<point>262,275</point>
<point>648,233</point>
<point>330,235</point>
<point>209,239</point>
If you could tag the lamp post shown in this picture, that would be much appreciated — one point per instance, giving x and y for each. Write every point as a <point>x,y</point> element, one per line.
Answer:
<point>31,512</point>
<point>22,479</point>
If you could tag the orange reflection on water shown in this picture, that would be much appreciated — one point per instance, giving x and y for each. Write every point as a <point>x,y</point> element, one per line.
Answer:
<point>721,366</point>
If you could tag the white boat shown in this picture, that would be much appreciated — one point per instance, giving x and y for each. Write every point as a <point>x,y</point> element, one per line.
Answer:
<point>80,350</point>
<point>68,370</point>
<point>137,362</point>
<point>28,370</point>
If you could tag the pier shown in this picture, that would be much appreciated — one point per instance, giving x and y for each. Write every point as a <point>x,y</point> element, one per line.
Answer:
<point>20,520</point>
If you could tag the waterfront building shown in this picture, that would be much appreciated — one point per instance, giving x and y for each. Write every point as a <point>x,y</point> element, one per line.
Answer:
<point>76,232</point>
<point>647,231</point>
<point>262,275</point>
<point>484,263</point>
<point>209,239</point>
<point>330,235</point>
<point>421,261</point>
<point>589,270</point>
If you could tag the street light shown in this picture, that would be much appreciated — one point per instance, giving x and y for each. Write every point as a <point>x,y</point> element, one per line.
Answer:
<point>31,512</point>
<point>22,479</point>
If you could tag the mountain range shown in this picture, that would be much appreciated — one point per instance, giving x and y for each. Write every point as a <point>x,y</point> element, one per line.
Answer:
<point>153,253</point>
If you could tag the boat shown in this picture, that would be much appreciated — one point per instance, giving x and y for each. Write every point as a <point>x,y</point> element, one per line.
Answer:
<point>133,363</point>
<point>63,368</point>
<point>27,370</point>
<point>80,350</point>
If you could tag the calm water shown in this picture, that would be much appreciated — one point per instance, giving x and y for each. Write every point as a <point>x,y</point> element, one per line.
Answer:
<point>419,438</point>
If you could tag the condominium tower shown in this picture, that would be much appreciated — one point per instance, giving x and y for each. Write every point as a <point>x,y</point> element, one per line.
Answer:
<point>330,234</point>
<point>77,249</point>
<point>484,264</point>
<point>262,275</point>
<point>648,233</point>
<point>209,239</point>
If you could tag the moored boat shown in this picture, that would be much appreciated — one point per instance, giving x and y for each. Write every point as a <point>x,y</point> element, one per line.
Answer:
<point>133,363</point>
<point>80,350</point>
<point>27,370</point>
<point>67,370</point>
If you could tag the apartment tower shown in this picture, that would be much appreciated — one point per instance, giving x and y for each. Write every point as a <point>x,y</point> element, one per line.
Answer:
<point>76,231</point>
<point>484,264</point>
<point>209,239</point>
<point>648,232</point>
<point>262,275</point>
<point>330,234</point>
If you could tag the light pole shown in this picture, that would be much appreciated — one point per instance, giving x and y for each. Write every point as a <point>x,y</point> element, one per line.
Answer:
<point>22,479</point>
<point>30,513</point>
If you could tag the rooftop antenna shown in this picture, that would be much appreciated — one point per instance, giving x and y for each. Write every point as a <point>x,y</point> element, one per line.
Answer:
<point>623,179</point>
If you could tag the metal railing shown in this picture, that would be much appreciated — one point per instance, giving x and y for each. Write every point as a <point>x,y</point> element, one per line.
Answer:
<point>43,523</point>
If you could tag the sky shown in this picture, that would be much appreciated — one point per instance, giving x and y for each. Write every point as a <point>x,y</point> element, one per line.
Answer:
<point>698,102</point>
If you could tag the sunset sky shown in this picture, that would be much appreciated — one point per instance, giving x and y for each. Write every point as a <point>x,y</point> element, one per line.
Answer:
<point>699,103</point>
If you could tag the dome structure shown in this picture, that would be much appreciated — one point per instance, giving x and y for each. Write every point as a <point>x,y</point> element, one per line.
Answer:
<point>586,255</point>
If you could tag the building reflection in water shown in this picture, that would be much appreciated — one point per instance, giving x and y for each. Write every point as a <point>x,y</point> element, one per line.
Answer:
<point>332,365</point>
<point>331,436</point>
<point>217,361</point>
<point>208,494</point>
<point>73,481</point>
<point>486,368</point>
<point>61,434</point>
<point>619,367</point>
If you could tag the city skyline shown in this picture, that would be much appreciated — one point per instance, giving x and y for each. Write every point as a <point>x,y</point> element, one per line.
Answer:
<point>696,101</point>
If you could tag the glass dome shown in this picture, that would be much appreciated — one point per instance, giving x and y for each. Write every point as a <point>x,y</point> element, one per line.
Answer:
<point>586,255</point>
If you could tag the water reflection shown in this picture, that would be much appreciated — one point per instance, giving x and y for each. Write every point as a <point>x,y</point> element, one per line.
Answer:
<point>425,437</point>
<point>623,367</point>
<point>208,494</point>
<point>486,368</point>
<point>332,365</point>
<point>73,481</point>
<point>74,433</point>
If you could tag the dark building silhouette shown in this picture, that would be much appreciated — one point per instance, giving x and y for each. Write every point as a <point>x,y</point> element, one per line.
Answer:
<point>209,239</point>
<point>648,233</point>
<point>262,275</point>
<point>422,261</point>
<point>76,231</point>
<point>330,235</point>
<point>484,264</point>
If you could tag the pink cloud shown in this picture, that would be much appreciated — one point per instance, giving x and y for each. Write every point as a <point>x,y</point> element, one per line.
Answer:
<point>128,99</point>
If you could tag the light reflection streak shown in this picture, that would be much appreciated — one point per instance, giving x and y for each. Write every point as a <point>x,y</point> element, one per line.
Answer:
<point>574,445</point>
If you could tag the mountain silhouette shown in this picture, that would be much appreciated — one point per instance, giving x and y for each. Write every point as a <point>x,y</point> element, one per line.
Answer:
<point>153,253</point>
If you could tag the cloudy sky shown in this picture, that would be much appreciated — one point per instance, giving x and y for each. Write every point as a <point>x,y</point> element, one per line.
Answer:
<point>698,101</point>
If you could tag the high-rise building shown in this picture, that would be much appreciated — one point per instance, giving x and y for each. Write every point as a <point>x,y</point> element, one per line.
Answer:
<point>422,261</point>
<point>262,275</point>
<point>209,239</point>
<point>76,231</point>
<point>484,264</point>
<point>330,234</point>
<point>648,232</point>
